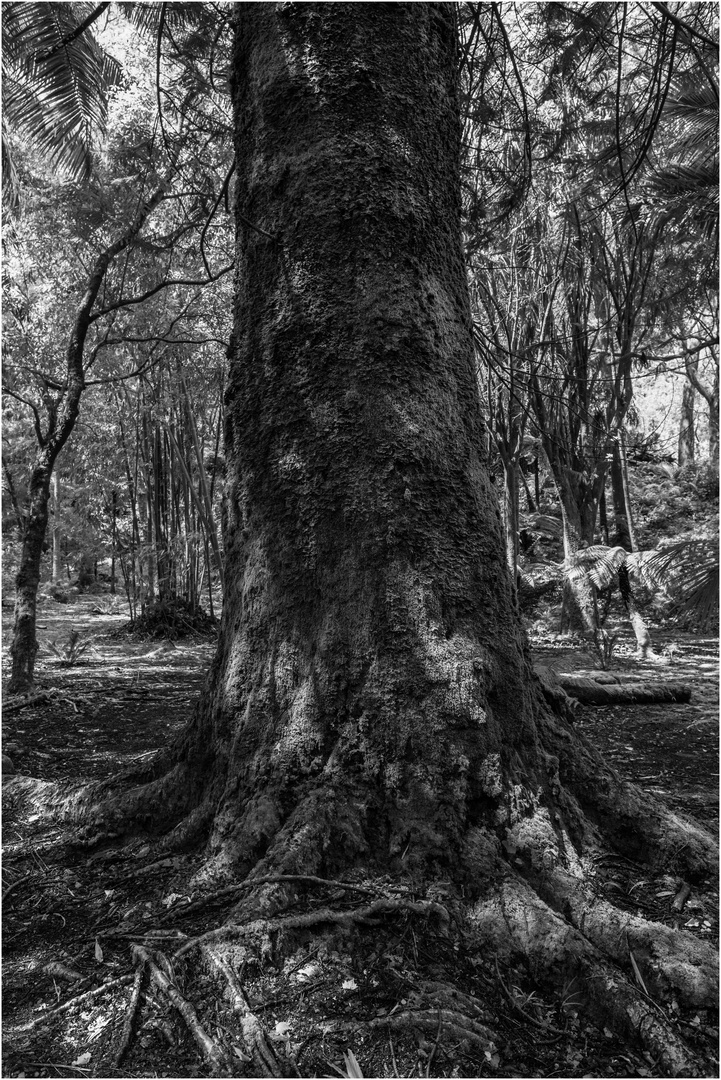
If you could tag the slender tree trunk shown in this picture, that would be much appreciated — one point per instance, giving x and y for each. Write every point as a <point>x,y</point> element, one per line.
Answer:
<point>578,499</point>
<point>113,540</point>
<point>62,416</point>
<point>603,515</point>
<point>24,645</point>
<point>57,533</point>
<point>686,434</point>
<point>579,613</point>
<point>510,515</point>
<point>621,508</point>
<point>713,421</point>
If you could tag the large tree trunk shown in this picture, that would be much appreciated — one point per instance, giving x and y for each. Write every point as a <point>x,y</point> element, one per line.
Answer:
<point>371,704</point>
<point>369,640</point>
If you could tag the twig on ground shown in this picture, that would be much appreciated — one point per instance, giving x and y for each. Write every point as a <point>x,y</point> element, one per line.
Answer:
<point>15,885</point>
<point>56,1065</point>
<point>212,1053</point>
<point>548,1028</point>
<point>393,1055</point>
<point>89,995</point>
<point>130,1015</point>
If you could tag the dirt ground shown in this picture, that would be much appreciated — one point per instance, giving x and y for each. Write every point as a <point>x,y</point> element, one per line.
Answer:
<point>70,920</point>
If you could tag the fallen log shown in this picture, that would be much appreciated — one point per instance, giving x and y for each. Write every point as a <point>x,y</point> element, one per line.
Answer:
<point>592,692</point>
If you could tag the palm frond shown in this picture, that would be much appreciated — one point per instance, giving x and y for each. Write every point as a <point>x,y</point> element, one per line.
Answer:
<point>688,570</point>
<point>146,16</point>
<point>599,563</point>
<point>545,525</point>
<point>55,85</point>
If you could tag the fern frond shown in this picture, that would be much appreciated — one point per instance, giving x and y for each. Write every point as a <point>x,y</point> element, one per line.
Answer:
<point>599,563</point>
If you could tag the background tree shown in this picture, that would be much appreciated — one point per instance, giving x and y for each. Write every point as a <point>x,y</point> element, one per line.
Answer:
<point>123,266</point>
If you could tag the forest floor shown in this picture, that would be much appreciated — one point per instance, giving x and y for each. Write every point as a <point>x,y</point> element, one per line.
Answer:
<point>69,919</point>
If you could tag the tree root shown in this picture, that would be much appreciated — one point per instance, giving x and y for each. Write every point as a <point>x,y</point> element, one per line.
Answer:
<point>232,890</point>
<point>631,821</point>
<point>368,914</point>
<point>252,1030</point>
<point>455,1024</point>
<point>670,960</point>
<point>518,922</point>
<point>127,1033</point>
<point>213,1054</point>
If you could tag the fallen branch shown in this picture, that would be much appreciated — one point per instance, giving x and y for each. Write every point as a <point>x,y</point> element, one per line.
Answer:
<point>592,692</point>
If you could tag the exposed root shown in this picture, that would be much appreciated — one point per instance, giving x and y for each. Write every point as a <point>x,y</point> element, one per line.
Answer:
<point>517,922</point>
<point>631,1014</point>
<point>253,1032</point>
<point>369,914</point>
<point>670,960</point>
<point>630,820</point>
<point>127,1033</point>
<point>213,1055</point>
<point>458,1026</point>
<point>242,886</point>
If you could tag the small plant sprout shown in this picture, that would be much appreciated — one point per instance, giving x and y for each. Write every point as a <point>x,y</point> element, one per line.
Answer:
<point>72,651</point>
<point>351,1066</point>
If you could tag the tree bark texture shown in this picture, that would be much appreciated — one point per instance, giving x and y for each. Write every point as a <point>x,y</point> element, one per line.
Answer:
<point>370,660</point>
<point>579,502</point>
<point>371,702</point>
<point>24,645</point>
<point>57,531</point>
<point>623,512</point>
<point>686,432</point>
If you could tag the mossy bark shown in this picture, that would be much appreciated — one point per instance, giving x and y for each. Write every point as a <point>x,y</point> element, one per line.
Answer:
<point>371,701</point>
<point>371,665</point>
